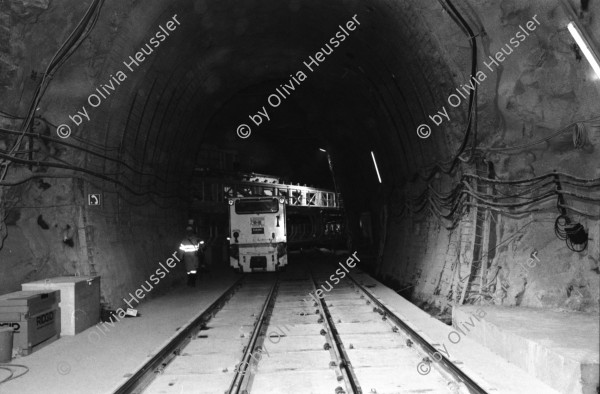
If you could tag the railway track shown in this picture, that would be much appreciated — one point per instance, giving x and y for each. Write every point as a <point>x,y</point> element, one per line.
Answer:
<point>268,335</point>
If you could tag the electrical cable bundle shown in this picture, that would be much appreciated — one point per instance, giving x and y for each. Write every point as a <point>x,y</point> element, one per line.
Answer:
<point>450,206</point>
<point>11,376</point>
<point>47,139</point>
<point>449,166</point>
<point>10,116</point>
<point>574,235</point>
<point>81,31</point>
<point>579,128</point>
<point>580,137</point>
<point>70,45</point>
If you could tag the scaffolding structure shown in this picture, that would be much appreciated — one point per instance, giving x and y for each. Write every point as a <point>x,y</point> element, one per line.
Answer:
<point>215,190</point>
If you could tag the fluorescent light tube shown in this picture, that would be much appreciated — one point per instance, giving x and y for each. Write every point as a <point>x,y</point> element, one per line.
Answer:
<point>375,164</point>
<point>585,48</point>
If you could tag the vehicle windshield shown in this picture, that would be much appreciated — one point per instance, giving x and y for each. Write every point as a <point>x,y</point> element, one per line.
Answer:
<point>256,206</point>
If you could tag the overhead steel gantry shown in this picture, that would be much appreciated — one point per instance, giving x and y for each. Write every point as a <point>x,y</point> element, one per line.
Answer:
<point>207,191</point>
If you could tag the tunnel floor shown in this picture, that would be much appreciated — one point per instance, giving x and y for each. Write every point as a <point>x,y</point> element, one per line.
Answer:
<point>102,358</point>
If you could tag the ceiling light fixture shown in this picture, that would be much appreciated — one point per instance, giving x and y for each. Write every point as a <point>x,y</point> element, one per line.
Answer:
<point>375,164</point>
<point>585,47</point>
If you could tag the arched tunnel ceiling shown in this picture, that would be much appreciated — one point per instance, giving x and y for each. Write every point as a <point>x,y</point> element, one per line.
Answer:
<point>224,60</point>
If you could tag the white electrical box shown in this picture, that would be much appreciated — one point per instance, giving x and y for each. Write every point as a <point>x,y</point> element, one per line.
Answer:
<point>79,300</point>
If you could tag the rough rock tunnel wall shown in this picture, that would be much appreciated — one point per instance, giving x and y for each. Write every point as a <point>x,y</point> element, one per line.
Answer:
<point>496,255</point>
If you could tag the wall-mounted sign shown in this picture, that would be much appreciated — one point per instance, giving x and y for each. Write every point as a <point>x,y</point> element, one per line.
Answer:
<point>94,199</point>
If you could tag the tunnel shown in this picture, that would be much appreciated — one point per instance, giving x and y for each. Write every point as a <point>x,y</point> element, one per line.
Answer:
<point>442,154</point>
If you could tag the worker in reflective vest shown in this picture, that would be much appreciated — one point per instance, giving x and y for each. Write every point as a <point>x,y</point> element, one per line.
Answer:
<point>191,249</point>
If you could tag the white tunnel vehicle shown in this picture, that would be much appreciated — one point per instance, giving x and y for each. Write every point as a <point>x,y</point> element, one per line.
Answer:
<point>258,237</point>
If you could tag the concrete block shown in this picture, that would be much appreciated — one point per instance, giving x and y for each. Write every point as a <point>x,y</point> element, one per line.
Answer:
<point>493,373</point>
<point>558,348</point>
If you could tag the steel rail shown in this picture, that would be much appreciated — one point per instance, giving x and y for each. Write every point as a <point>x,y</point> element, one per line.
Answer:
<point>241,379</point>
<point>448,366</point>
<point>343,360</point>
<point>143,376</point>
